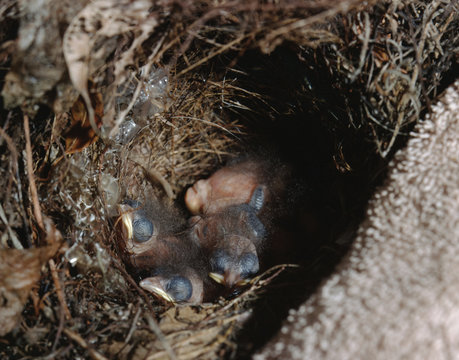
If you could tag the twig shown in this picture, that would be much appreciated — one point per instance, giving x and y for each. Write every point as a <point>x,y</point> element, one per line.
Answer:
<point>16,243</point>
<point>212,55</point>
<point>134,325</point>
<point>313,19</point>
<point>364,50</point>
<point>255,284</point>
<point>270,274</point>
<point>59,354</point>
<point>275,271</point>
<point>210,123</point>
<point>82,342</point>
<point>59,329</point>
<point>15,170</point>
<point>59,291</point>
<point>14,154</point>
<point>39,216</point>
<point>193,30</point>
<point>155,176</point>
<point>155,328</point>
<point>30,175</point>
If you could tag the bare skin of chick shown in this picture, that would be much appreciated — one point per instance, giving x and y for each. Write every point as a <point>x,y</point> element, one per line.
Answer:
<point>231,185</point>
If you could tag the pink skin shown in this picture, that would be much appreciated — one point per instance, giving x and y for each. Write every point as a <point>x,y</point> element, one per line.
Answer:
<point>230,185</point>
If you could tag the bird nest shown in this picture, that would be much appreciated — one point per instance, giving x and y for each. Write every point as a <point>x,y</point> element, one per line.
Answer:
<point>105,99</point>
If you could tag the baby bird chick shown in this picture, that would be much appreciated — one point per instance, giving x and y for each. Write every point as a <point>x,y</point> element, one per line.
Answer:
<point>231,240</point>
<point>151,247</point>
<point>228,207</point>
<point>235,184</point>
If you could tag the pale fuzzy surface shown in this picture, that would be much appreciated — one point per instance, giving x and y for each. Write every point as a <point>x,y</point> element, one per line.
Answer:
<point>396,295</point>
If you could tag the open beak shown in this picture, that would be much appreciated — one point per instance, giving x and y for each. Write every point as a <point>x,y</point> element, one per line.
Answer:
<point>153,285</point>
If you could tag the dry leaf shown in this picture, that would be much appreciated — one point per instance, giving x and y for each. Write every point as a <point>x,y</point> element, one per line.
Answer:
<point>38,65</point>
<point>19,272</point>
<point>81,133</point>
<point>98,21</point>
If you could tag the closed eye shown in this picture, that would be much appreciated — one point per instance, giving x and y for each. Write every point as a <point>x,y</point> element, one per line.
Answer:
<point>143,229</point>
<point>258,198</point>
<point>179,288</point>
<point>220,261</point>
<point>248,265</point>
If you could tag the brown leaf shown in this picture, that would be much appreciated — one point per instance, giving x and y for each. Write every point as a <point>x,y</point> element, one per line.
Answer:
<point>81,133</point>
<point>19,272</point>
<point>98,21</point>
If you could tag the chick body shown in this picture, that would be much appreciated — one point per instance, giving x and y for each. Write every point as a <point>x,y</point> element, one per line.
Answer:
<point>227,225</point>
<point>154,247</point>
